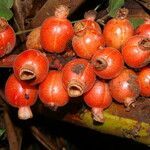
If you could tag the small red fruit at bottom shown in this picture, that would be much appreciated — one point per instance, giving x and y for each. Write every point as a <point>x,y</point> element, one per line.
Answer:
<point>98,98</point>
<point>125,88</point>
<point>21,95</point>
<point>52,92</point>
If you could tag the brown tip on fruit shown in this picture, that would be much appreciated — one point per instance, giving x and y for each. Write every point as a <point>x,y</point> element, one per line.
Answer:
<point>26,74</point>
<point>52,106</point>
<point>25,113</point>
<point>100,64</point>
<point>75,89</point>
<point>128,103</point>
<point>144,44</point>
<point>98,114</point>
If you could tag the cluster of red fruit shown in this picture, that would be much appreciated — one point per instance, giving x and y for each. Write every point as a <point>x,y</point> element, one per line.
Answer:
<point>104,67</point>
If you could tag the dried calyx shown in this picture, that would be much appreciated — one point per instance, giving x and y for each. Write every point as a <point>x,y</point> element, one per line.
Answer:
<point>90,15</point>
<point>122,13</point>
<point>75,89</point>
<point>100,64</point>
<point>62,11</point>
<point>144,44</point>
<point>27,73</point>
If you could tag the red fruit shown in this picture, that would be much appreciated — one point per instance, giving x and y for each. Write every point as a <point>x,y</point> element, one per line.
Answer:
<point>7,38</point>
<point>108,63</point>
<point>21,95</point>
<point>78,77</point>
<point>56,31</point>
<point>52,92</point>
<point>136,51</point>
<point>144,29</point>
<point>117,31</point>
<point>125,87</point>
<point>88,22</point>
<point>86,42</point>
<point>31,65</point>
<point>98,98</point>
<point>144,81</point>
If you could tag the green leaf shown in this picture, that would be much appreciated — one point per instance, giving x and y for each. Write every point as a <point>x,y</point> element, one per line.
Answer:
<point>136,22</point>
<point>5,12</point>
<point>7,3</point>
<point>2,131</point>
<point>113,7</point>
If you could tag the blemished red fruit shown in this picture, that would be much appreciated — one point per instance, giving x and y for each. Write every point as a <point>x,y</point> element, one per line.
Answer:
<point>136,51</point>
<point>107,63</point>
<point>144,81</point>
<point>78,77</point>
<point>7,38</point>
<point>98,98</point>
<point>88,22</point>
<point>117,31</point>
<point>32,66</point>
<point>125,88</point>
<point>56,31</point>
<point>86,42</point>
<point>52,92</point>
<point>144,29</point>
<point>20,95</point>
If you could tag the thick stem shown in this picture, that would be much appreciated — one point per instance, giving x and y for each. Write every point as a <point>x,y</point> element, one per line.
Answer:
<point>3,24</point>
<point>25,113</point>
<point>100,63</point>
<point>27,73</point>
<point>75,89</point>
<point>98,114</point>
<point>144,44</point>
<point>115,125</point>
